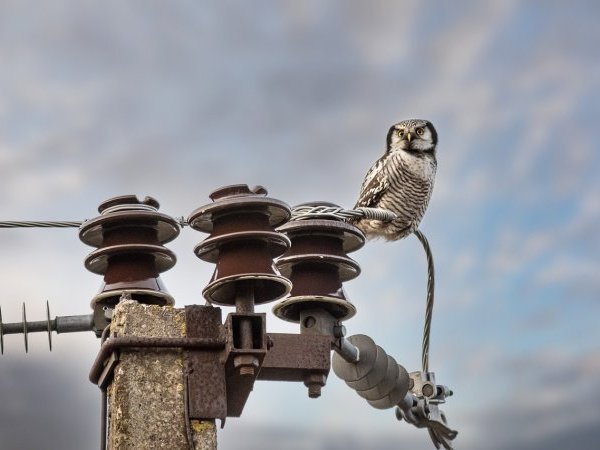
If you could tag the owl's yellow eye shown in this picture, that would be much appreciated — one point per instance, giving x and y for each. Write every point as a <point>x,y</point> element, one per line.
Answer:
<point>400,133</point>
<point>420,131</point>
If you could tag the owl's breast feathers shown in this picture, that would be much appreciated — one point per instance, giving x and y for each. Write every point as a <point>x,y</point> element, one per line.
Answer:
<point>402,184</point>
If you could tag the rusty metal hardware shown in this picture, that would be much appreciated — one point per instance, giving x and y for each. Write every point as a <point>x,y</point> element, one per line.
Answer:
<point>117,343</point>
<point>247,348</point>
<point>129,235</point>
<point>217,388</point>
<point>292,356</point>
<point>206,390</point>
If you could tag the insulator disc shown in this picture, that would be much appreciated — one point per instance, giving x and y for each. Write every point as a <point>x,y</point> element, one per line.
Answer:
<point>98,261</point>
<point>166,227</point>
<point>396,394</point>
<point>385,386</point>
<point>291,308</point>
<point>208,250</point>
<point>203,218</point>
<point>352,237</point>
<point>375,375</point>
<point>266,288</point>
<point>348,269</point>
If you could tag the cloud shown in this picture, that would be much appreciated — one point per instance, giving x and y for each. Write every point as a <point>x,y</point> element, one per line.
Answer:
<point>551,394</point>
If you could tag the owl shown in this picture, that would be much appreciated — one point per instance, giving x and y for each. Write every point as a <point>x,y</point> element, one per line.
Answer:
<point>401,180</point>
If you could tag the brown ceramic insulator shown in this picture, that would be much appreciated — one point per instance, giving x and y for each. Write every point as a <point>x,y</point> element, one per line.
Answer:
<point>242,243</point>
<point>130,234</point>
<point>317,264</point>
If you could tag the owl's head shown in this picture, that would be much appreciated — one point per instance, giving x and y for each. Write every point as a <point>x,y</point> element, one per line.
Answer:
<point>414,136</point>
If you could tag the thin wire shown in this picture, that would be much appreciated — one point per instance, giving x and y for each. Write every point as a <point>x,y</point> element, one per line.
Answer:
<point>39,224</point>
<point>58,224</point>
<point>429,304</point>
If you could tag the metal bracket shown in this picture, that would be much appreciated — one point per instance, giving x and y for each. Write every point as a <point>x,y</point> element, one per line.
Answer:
<point>246,351</point>
<point>205,371</point>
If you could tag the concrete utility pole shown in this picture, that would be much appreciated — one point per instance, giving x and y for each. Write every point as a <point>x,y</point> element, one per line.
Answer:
<point>146,408</point>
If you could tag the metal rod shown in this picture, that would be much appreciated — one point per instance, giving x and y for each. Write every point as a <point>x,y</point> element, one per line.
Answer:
<point>246,334</point>
<point>244,297</point>
<point>73,324</point>
<point>65,324</point>
<point>347,350</point>
<point>62,324</point>
<point>25,327</point>
<point>117,343</point>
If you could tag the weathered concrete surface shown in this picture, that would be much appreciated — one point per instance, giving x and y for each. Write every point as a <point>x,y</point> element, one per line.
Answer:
<point>146,408</point>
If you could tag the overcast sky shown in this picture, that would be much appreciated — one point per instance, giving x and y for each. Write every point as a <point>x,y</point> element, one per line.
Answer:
<point>174,99</point>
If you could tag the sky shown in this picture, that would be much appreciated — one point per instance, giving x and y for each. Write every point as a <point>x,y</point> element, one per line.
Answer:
<point>175,99</point>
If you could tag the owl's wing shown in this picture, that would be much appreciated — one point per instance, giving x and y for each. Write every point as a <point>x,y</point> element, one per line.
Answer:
<point>374,185</point>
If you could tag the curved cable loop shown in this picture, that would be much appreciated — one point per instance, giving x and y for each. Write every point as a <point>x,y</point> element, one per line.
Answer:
<point>337,213</point>
<point>429,304</point>
<point>129,208</point>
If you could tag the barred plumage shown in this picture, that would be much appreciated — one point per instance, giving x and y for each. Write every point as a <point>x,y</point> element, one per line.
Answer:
<point>401,180</point>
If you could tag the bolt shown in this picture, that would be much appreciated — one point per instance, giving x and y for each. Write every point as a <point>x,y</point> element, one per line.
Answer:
<point>309,322</point>
<point>314,382</point>
<point>246,365</point>
<point>246,371</point>
<point>108,313</point>
<point>314,390</point>
<point>427,390</point>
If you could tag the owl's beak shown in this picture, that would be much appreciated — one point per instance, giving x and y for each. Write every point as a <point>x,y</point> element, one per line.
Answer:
<point>408,137</point>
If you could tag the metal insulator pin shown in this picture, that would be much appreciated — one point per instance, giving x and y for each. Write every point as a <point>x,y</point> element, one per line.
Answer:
<point>64,324</point>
